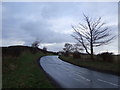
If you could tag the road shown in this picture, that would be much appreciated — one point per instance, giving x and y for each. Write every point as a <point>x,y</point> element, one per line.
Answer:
<point>71,76</point>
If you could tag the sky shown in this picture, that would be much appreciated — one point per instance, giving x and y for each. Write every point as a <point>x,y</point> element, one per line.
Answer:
<point>50,22</point>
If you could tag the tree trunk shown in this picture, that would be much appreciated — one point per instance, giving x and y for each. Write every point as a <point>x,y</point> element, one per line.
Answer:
<point>91,46</point>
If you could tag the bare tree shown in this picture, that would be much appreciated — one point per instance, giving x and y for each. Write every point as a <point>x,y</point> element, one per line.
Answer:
<point>92,34</point>
<point>77,48</point>
<point>36,43</point>
<point>67,47</point>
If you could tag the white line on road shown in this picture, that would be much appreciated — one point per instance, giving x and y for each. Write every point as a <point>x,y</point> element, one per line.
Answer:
<point>77,79</point>
<point>107,82</point>
<point>78,74</point>
<point>74,71</point>
<point>83,77</point>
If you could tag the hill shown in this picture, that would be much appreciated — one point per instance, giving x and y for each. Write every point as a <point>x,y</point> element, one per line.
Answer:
<point>20,68</point>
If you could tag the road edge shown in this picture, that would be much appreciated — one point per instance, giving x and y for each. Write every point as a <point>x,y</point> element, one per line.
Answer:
<point>52,81</point>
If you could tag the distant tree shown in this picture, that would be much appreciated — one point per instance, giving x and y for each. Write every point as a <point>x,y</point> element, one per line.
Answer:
<point>67,48</point>
<point>35,46</point>
<point>60,52</point>
<point>36,43</point>
<point>45,48</point>
<point>77,48</point>
<point>92,34</point>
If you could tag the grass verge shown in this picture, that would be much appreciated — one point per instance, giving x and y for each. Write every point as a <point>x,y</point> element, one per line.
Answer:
<point>106,67</point>
<point>23,71</point>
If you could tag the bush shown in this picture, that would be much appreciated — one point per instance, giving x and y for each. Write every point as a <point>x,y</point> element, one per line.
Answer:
<point>106,56</point>
<point>44,50</point>
<point>66,53</point>
<point>76,54</point>
<point>13,50</point>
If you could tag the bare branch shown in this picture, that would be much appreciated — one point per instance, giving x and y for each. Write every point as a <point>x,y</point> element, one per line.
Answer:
<point>92,34</point>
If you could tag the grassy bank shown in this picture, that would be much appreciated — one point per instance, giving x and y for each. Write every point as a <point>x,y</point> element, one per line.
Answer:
<point>23,71</point>
<point>107,67</point>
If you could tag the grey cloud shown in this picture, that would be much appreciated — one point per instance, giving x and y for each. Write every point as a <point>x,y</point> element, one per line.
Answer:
<point>30,21</point>
<point>19,28</point>
<point>60,9</point>
<point>41,30</point>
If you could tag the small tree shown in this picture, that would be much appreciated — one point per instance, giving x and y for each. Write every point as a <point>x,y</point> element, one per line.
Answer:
<point>35,46</point>
<point>67,48</point>
<point>92,34</point>
<point>77,48</point>
<point>36,43</point>
<point>44,48</point>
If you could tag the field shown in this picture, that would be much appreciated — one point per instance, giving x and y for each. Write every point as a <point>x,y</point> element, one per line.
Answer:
<point>22,70</point>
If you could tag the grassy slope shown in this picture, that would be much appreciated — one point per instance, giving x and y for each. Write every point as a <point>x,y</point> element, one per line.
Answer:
<point>96,65</point>
<point>23,72</point>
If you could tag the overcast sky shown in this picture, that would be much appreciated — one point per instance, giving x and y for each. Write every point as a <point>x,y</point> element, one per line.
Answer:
<point>50,22</point>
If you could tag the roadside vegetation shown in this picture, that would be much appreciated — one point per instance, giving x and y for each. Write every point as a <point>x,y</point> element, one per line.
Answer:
<point>104,62</point>
<point>20,68</point>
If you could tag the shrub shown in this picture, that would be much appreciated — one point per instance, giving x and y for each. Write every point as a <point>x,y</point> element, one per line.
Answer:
<point>44,50</point>
<point>13,50</point>
<point>106,56</point>
<point>76,54</point>
<point>66,53</point>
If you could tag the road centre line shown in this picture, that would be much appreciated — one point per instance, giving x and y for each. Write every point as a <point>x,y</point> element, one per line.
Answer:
<point>72,71</point>
<point>67,68</point>
<point>77,79</point>
<point>83,77</point>
<point>107,82</point>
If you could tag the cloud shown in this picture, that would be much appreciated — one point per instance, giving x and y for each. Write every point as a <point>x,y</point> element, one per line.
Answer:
<point>50,22</point>
<point>12,42</point>
<point>43,31</point>
<point>62,24</point>
<point>53,46</point>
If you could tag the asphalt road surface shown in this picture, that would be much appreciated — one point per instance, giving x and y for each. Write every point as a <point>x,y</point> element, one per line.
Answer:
<point>71,76</point>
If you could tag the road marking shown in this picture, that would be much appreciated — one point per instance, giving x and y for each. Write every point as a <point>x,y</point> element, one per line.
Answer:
<point>80,72</point>
<point>77,75</point>
<point>107,82</point>
<point>83,77</point>
<point>73,70</point>
<point>76,79</point>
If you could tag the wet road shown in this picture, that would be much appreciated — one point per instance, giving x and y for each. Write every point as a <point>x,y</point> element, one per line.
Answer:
<point>71,76</point>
